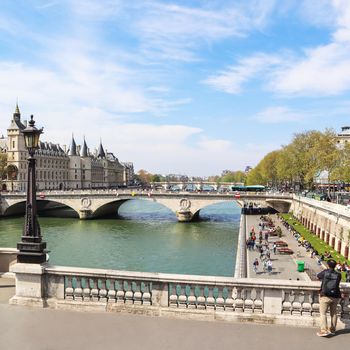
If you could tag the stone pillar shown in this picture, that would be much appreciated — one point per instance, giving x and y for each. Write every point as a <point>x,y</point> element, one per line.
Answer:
<point>184,216</point>
<point>30,285</point>
<point>339,246</point>
<point>160,294</point>
<point>85,214</point>
<point>272,301</point>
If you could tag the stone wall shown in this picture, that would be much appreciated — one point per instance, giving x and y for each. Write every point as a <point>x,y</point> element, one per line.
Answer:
<point>329,221</point>
<point>183,296</point>
<point>8,256</point>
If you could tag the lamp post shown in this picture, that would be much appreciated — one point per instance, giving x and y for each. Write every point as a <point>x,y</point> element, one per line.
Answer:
<point>31,248</point>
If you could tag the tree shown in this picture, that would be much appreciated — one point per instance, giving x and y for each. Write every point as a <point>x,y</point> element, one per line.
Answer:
<point>144,177</point>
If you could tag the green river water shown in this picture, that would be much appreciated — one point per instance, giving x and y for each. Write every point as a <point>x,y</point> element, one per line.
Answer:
<point>145,237</point>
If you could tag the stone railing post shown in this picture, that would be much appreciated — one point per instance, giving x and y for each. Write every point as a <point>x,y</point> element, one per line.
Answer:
<point>30,285</point>
<point>272,303</point>
<point>160,294</point>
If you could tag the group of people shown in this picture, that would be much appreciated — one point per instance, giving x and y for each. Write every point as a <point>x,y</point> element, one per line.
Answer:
<point>330,294</point>
<point>302,242</point>
<point>260,243</point>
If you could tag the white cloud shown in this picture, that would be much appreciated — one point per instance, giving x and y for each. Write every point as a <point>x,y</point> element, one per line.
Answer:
<point>278,114</point>
<point>231,79</point>
<point>169,31</point>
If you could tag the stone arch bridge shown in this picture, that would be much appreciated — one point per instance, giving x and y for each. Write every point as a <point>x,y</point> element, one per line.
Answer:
<point>95,204</point>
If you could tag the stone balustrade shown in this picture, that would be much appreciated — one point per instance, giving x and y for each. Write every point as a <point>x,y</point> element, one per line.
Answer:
<point>8,256</point>
<point>172,295</point>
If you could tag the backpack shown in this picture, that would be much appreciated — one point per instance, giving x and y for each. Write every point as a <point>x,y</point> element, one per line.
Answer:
<point>330,284</point>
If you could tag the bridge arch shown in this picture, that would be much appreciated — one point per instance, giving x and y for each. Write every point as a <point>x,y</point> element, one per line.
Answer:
<point>111,207</point>
<point>18,208</point>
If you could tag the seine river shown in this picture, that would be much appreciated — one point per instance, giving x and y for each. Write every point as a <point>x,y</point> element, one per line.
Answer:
<point>145,237</point>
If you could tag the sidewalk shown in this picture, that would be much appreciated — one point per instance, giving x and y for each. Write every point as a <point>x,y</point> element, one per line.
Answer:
<point>284,266</point>
<point>45,329</point>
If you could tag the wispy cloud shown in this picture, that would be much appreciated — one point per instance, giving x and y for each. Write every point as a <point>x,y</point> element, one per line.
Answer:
<point>278,114</point>
<point>171,31</point>
<point>232,78</point>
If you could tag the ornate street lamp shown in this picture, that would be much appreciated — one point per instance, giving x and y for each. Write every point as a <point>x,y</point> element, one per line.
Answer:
<point>31,248</point>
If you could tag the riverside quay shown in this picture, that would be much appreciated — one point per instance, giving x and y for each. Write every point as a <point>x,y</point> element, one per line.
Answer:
<point>284,294</point>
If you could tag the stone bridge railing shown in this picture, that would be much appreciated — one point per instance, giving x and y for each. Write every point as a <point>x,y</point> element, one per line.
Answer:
<point>94,203</point>
<point>158,294</point>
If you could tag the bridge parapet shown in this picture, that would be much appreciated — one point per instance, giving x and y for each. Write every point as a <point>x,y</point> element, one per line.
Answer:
<point>158,294</point>
<point>94,203</point>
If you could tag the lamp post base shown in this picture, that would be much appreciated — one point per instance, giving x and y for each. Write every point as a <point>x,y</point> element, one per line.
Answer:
<point>31,252</point>
<point>31,258</point>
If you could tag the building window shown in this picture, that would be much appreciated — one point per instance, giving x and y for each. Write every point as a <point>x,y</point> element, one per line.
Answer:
<point>13,144</point>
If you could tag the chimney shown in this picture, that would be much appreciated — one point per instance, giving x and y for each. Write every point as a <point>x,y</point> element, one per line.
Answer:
<point>64,148</point>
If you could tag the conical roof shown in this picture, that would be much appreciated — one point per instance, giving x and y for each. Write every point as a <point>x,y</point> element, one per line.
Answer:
<point>101,153</point>
<point>73,148</point>
<point>84,151</point>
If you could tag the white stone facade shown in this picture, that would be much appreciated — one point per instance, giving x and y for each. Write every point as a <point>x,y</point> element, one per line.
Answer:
<point>58,168</point>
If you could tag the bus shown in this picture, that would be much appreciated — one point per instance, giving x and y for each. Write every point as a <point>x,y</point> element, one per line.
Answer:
<point>254,188</point>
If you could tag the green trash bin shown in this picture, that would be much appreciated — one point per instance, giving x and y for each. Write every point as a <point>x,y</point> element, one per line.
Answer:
<point>301,266</point>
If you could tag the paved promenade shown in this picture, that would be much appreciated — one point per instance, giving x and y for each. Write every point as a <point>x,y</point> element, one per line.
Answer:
<point>44,329</point>
<point>284,266</point>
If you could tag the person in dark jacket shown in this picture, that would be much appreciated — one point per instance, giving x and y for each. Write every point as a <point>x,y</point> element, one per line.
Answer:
<point>329,298</point>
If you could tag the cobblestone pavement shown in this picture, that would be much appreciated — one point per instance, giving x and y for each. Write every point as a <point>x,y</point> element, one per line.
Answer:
<point>284,266</point>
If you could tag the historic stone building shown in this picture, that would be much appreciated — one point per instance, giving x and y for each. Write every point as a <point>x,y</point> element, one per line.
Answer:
<point>58,168</point>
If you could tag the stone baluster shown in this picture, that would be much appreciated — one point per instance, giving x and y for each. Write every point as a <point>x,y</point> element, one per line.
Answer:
<point>192,299</point>
<point>287,299</point>
<point>220,301</point>
<point>345,307</point>
<point>146,293</point>
<point>173,297</point>
<point>95,289</point>
<point>315,304</point>
<point>201,297</point>
<point>78,291</point>
<point>229,300</point>
<point>121,292</point>
<point>69,288</point>
<point>111,295</point>
<point>136,288</point>
<point>238,297</point>
<point>296,305</point>
<point>129,294</point>
<point>87,290</point>
<point>182,300</point>
<point>210,298</point>
<point>258,300</point>
<point>248,301</point>
<point>103,291</point>
<point>306,306</point>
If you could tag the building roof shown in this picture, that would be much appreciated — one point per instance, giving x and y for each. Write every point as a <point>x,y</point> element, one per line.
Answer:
<point>101,153</point>
<point>73,148</point>
<point>84,151</point>
<point>16,120</point>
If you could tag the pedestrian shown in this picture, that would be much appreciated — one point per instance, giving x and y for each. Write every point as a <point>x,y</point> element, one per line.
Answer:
<point>269,266</point>
<point>255,265</point>
<point>274,248</point>
<point>347,274</point>
<point>329,298</point>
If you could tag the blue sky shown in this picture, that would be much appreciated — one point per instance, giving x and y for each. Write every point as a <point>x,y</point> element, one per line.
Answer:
<point>189,87</point>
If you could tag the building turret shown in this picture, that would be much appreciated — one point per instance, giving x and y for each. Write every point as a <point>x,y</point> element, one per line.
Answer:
<point>101,153</point>
<point>84,151</point>
<point>73,147</point>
